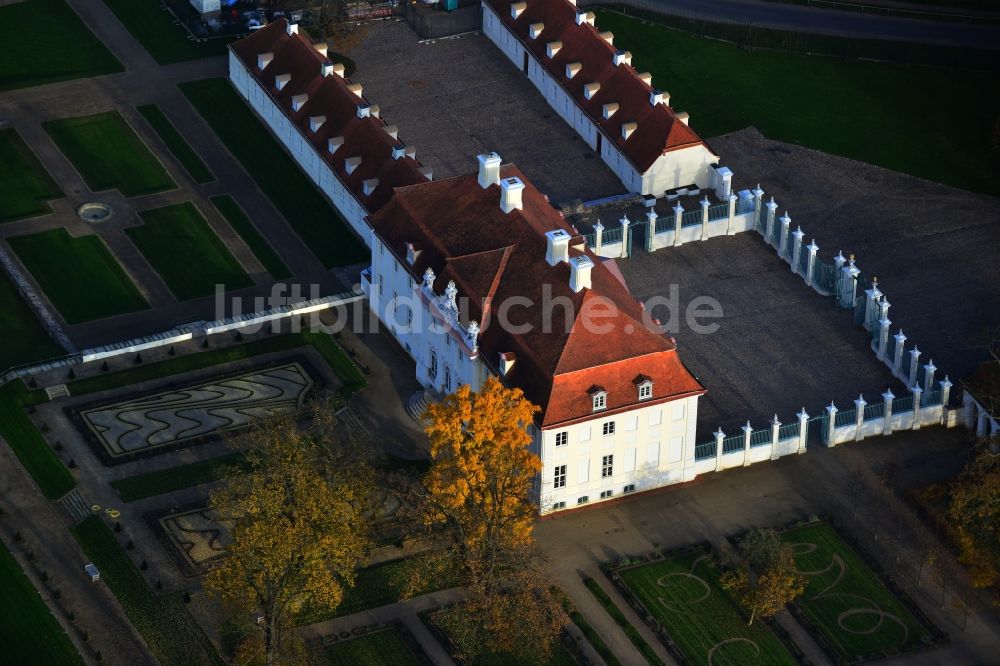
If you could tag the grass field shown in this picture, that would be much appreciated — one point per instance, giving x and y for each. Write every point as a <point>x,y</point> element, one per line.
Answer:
<point>108,154</point>
<point>615,613</point>
<point>79,275</point>
<point>164,622</point>
<point>27,186</point>
<point>375,649</point>
<point>239,221</point>
<point>560,656</point>
<point>28,632</point>
<point>185,476</point>
<point>23,438</point>
<point>873,112</point>
<point>276,173</point>
<point>22,337</point>
<point>44,41</point>
<point>840,594</point>
<point>683,594</point>
<point>176,143</point>
<point>155,29</point>
<point>177,241</point>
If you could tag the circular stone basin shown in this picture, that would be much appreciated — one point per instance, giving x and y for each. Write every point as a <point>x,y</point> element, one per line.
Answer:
<point>94,212</point>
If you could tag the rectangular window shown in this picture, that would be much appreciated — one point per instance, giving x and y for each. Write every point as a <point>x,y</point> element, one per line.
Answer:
<point>558,505</point>
<point>562,438</point>
<point>583,500</point>
<point>605,494</point>
<point>609,428</point>
<point>630,488</point>
<point>559,476</point>
<point>600,401</point>
<point>645,391</point>
<point>607,466</point>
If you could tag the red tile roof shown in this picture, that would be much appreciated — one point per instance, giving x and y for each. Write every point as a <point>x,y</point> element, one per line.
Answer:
<point>492,256</point>
<point>659,130</point>
<point>328,96</point>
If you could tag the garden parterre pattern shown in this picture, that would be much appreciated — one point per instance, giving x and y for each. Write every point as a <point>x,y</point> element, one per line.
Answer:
<point>198,536</point>
<point>179,415</point>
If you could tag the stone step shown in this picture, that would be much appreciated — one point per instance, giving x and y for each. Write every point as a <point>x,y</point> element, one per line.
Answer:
<point>75,506</point>
<point>351,420</point>
<point>417,405</point>
<point>57,391</point>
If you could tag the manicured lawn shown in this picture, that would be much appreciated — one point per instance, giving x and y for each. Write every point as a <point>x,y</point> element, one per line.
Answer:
<point>375,649</point>
<point>22,337</point>
<point>560,656</point>
<point>380,585</point>
<point>175,142</point>
<point>684,595</point>
<point>108,154</point>
<point>239,221</point>
<point>193,474</point>
<point>631,632</point>
<point>155,29</point>
<point>276,173</point>
<point>164,622</point>
<point>45,41</point>
<point>28,632</point>
<point>591,634</point>
<point>839,582</point>
<point>27,186</point>
<point>79,275</point>
<point>31,449</point>
<point>177,241</point>
<point>873,112</point>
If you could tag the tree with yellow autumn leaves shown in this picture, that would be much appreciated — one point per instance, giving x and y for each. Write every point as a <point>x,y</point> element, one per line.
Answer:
<point>298,531</point>
<point>975,515</point>
<point>480,494</point>
<point>765,579</point>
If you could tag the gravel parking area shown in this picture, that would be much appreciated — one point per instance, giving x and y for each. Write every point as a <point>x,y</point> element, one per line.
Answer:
<point>935,249</point>
<point>458,97</point>
<point>779,345</point>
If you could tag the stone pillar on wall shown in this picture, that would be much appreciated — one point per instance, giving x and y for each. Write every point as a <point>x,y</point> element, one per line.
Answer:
<point>747,432</point>
<point>626,241</point>
<point>786,223</point>
<point>730,228</point>
<point>849,286</point>
<point>796,248</point>
<point>775,430</point>
<point>678,214</point>
<point>897,361</point>
<point>945,385</point>
<point>803,430</point>
<point>914,360</point>
<point>598,237</point>
<point>758,195</point>
<point>859,421</point>
<point>872,299</point>
<point>831,423</point>
<point>811,265</point>
<point>887,399</point>
<point>929,371</point>
<point>704,218</point>
<point>772,208</point>
<point>650,230</point>
<point>883,337</point>
<point>918,394</point>
<point>719,436</point>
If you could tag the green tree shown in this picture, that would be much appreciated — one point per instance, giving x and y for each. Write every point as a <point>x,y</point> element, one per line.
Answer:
<point>764,580</point>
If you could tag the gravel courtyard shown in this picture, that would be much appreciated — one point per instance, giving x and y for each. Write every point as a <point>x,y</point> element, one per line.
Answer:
<point>457,97</point>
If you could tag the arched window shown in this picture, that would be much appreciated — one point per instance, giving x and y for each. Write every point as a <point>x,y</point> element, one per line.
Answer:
<point>447,379</point>
<point>433,369</point>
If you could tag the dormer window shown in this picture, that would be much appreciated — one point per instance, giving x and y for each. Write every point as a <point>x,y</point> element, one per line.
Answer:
<point>598,398</point>
<point>644,386</point>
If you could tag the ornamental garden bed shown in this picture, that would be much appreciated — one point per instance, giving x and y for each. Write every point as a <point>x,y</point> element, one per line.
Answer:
<point>176,143</point>
<point>370,646</point>
<point>27,186</point>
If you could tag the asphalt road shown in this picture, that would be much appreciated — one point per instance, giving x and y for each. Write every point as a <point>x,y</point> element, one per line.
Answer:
<point>831,21</point>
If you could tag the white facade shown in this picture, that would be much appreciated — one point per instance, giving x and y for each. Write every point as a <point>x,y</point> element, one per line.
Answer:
<point>299,146</point>
<point>206,6</point>
<point>676,168</point>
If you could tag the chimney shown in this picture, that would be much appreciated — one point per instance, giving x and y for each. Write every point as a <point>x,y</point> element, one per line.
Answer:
<point>584,17</point>
<point>489,169</point>
<point>351,163</point>
<point>579,273</point>
<point>298,101</point>
<point>320,48</point>
<point>510,194</point>
<point>333,143</point>
<point>506,362</point>
<point>326,68</point>
<point>591,89</point>
<point>292,28</point>
<point>556,246</point>
<point>552,48</point>
<point>398,152</point>
<point>281,80</point>
<point>264,59</point>
<point>315,122</point>
<point>655,97</point>
<point>608,36</point>
<point>610,109</point>
<point>391,130</point>
<point>572,69</point>
<point>364,110</point>
<point>369,185</point>
<point>621,57</point>
<point>517,9</point>
<point>684,117</point>
<point>535,29</point>
<point>628,128</point>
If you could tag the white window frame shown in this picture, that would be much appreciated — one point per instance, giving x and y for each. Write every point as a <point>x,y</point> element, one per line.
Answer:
<point>605,494</point>
<point>599,401</point>
<point>608,466</point>
<point>645,390</point>
<point>629,488</point>
<point>559,476</point>
<point>608,428</point>
<point>562,438</point>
